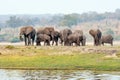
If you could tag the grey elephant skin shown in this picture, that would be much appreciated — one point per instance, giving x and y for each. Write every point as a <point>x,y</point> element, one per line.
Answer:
<point>83,41</point>
<point>107,39</point>
<point>96,34</point>
<point>81,36</point>
<point>74,38</point>
<point>29,34</point>
<point>56,37</point>
<point>64,35</point>
<point>42,38</point>
<point>48,31</point>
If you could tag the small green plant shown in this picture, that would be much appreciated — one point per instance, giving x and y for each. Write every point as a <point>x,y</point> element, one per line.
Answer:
<point>15,39</point>
<point>10,47</point>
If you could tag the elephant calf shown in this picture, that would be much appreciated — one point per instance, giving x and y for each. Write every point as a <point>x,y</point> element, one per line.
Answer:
<point>42,37</point>
<point>107,39</point>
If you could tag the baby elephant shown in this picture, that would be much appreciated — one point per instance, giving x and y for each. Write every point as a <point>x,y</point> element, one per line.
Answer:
<point>107,39</point>
<point>42,37</point>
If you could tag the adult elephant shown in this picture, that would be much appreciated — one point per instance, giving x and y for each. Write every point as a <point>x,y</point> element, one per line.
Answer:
<point>29,34</point>
<point>107,39</point>
<point>96,34</point>
<point>64,35</point>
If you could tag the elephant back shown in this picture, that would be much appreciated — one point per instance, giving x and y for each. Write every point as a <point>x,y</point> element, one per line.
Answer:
<point>40,31</point>
<point>26,30</point>
<point>78,32</point>
<point>107,38</point>
<point>48,30</point>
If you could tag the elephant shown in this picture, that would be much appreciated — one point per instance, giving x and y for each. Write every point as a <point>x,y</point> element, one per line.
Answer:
<point>56,37</point>
<point>96,34</point>
<point>83,40</point>
<point>107,39</point>
<point>48,31</point>
<point>43,37</point>
<point>74,38</point>
<point>29,34</point>
<point>64,34</point>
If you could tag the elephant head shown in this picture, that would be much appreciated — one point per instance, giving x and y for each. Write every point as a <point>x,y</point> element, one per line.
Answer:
<point>96,34</point>
<point>22,32</point>
<point>64,35</point>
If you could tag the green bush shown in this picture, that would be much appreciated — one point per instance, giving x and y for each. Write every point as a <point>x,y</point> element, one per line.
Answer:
<point>15,39</point>
<point>10,47</point>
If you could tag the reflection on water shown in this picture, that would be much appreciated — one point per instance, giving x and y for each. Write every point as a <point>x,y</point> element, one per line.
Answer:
<point>57,75</point>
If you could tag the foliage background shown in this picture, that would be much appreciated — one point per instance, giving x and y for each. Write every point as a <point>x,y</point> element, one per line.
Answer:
<point>108,23</point>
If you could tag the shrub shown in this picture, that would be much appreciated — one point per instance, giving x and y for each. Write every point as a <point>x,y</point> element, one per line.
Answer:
<point>10,47</point>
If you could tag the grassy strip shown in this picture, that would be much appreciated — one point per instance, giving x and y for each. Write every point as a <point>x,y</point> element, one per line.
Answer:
<point>63,58</point>
<point>82,61</point>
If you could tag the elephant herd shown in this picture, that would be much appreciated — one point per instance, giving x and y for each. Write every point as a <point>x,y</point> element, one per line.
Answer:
<point>66,36</point>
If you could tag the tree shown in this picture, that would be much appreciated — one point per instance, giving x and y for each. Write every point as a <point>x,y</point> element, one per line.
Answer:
<point>109,31</point>
<point>69,20</point>
<point>14,22</point>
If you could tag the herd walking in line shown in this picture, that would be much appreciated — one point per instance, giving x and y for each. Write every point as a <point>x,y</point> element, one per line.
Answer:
<point>66,36</point>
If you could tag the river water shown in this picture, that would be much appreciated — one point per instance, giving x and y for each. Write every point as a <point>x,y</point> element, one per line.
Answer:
<point>57,75</point>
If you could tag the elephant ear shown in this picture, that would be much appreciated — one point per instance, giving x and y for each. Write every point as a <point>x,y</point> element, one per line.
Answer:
<point>92,33</point>
<point>28,30</point>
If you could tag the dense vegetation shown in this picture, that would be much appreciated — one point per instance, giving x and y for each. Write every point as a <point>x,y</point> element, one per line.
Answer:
<point>108,22</point>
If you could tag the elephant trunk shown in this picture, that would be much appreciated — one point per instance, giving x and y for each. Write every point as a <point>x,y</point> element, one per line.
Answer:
<point>21,38</point>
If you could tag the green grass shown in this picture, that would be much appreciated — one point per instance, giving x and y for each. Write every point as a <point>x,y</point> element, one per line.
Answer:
<point>22,57</point>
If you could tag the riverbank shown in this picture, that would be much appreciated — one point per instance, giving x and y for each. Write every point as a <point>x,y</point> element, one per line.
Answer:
<point>102,58</point>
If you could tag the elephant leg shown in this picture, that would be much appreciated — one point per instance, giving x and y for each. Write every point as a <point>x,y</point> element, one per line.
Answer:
<point>52,39</point>
<point>103,43</point>
<point>83,43</point>
<point>29,40</point>
<point>94,42</point>
<point>33,40</point>
<point>44,42</point>
<point>25,40</point>
<point>111,43</point>
<point>52,42</point>
<point>79,44</point>
<point>66,43</point>
<point>99,43</point>
<point>48,42</point>
<point>38,43</point>
<point>56,43</point>
<point>61,42</point>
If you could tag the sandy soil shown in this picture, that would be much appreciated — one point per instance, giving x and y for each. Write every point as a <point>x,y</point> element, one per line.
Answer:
<point>116,43</point>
